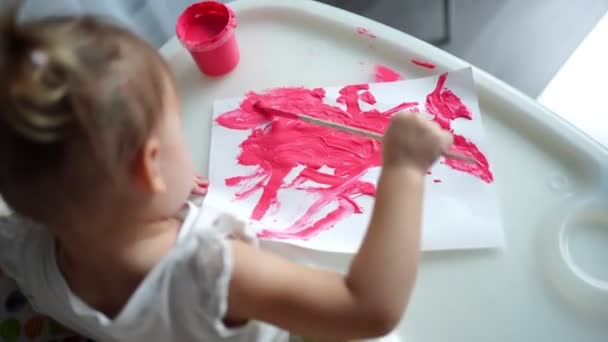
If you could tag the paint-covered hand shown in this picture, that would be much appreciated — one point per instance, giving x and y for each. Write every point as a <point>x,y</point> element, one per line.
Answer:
<point>414,141</point>
<point>201,186</point>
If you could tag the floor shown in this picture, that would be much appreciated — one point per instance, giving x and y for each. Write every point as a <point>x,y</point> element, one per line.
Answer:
<point>521,42</point>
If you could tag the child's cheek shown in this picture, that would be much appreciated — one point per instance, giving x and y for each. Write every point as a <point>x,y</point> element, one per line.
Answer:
<point>184,169</point>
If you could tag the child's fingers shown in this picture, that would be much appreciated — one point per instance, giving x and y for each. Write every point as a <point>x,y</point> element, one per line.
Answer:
<point>446,140</point>
<point>200,187</point>
<point>201,181</point>
<point>444,137</point>
<point>198,191</point>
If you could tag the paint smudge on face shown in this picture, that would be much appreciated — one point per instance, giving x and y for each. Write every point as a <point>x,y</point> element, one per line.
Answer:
<point>277,147</point>
<point>423,64</point>
<point>446,107</point>
<point>385,74</point>
<point>365,32</point>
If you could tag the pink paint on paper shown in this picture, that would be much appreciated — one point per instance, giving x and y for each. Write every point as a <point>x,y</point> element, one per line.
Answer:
<point>481,167</point>
<point>409,107</point>
<point>446,107</point>
<point>365,32</point>
<point>436,180</point>
<point>423,64</point>
<point>385,74</point>
<point>276,147</point>
<point>265,109</point>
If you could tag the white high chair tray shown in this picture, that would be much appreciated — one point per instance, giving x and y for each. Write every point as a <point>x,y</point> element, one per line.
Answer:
<point>549,283</point>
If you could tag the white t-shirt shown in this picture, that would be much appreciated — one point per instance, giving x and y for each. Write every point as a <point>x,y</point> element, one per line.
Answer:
<point>183,298</point>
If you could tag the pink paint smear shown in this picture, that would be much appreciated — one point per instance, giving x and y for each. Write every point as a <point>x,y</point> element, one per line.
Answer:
<point>275,148</point>
<point>365,32</point>
<point>446,107</point>
<point>386,74</point>
<point>423,64</point>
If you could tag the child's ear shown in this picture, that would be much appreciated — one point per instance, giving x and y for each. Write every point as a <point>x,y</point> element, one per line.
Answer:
<point>147,169</point>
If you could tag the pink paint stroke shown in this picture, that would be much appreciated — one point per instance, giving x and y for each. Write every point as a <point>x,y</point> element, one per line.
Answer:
<point>382,73</point>
<point>365,32</point>
<point>423,64</point>
<point>481,167</point>
<point>276,147</point>
<point>446,107</point>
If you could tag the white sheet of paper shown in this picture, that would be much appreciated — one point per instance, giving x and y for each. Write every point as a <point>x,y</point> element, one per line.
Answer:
<point>459,212</point>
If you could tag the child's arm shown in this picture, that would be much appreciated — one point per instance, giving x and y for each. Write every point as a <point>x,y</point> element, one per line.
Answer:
<point>371,298</point>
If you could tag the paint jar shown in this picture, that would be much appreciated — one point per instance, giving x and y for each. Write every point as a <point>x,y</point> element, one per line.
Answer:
<point>207,30</point>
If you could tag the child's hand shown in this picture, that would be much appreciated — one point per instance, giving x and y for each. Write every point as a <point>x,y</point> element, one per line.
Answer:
<point>201,185</point>
<point>414,141</point>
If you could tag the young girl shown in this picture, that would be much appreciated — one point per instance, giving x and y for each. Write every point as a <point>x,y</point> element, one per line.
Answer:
<point>93,162</point>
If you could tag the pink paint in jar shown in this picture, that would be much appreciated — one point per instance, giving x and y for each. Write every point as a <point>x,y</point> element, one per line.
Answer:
<point>207,30</point>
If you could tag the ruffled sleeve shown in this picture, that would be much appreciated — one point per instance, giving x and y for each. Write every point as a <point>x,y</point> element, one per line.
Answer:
<point>206,262</point>
<point>15,241</point>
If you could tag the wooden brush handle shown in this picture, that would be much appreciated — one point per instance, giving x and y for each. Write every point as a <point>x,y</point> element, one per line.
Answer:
<point>340,127</point>
<point>369,134</point>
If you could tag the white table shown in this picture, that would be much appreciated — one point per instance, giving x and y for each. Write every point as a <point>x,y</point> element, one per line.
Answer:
<point>525,292</point>
<point>579,91</point>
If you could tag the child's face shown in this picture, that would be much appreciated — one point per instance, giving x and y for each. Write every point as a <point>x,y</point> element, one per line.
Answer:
<point>174,160</point>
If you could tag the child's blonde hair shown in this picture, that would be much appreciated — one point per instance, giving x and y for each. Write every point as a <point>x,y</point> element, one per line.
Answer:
<point>78,96</point>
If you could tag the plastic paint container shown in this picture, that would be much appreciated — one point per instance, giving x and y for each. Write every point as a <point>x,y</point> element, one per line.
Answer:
<point>207,30</point>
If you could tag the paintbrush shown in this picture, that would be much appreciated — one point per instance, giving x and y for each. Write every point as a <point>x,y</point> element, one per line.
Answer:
<point>267,110</point>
